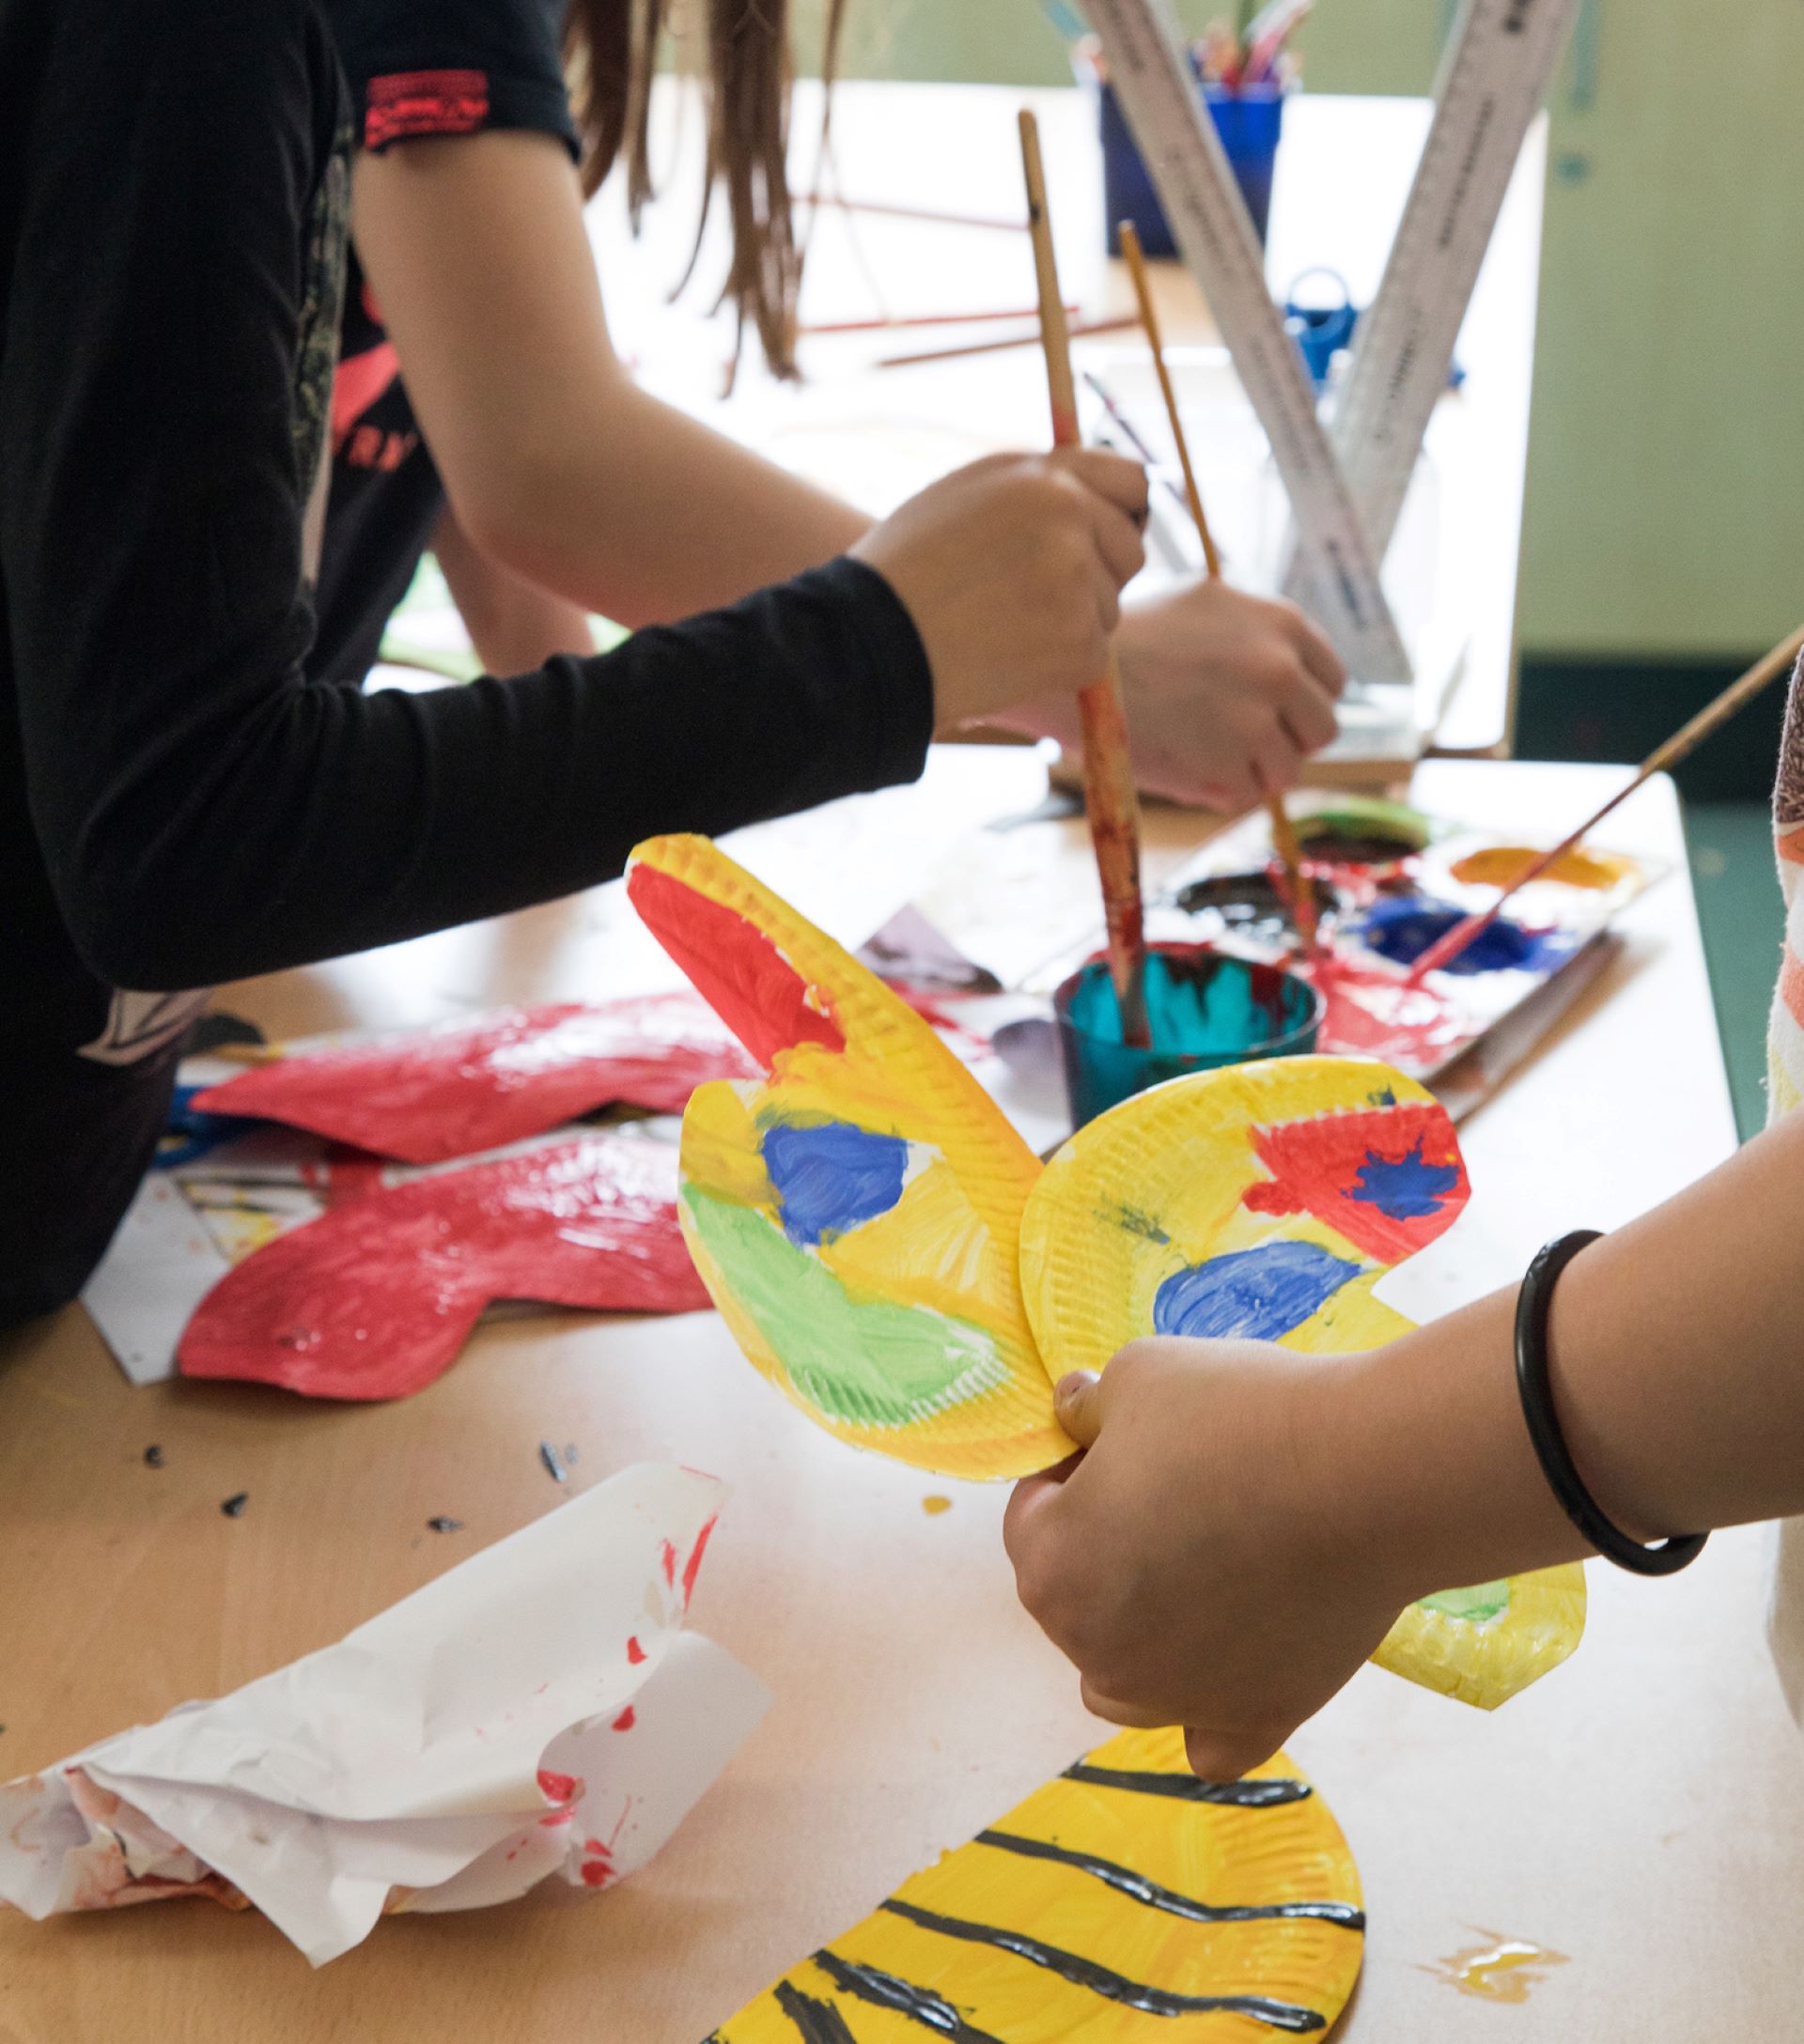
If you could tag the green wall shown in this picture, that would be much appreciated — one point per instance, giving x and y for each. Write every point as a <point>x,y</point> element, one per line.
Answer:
<point>1665,511</point>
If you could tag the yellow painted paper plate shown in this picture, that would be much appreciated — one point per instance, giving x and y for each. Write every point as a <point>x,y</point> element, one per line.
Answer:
<point>1263,1202</point>
<point>1124,1902</point>
<point>855,1216</point>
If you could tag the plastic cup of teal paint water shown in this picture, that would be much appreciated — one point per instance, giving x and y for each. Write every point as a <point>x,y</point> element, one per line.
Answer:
<point>1206,1010</point>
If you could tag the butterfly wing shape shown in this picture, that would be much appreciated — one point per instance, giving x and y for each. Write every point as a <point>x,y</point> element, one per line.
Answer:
<point>1263,1202</point>
<point>856,1212</point>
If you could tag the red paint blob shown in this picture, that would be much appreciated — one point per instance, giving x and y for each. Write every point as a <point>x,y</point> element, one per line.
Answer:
<point>430,1095</point>
<point>1376,1013</point>
<point>736,969</point>
<point>693,1566</point>
<point>558,1787</point>
<point>635,1653</point>
<point>670,1565</point>
<point>1333,1168</point>
<point>596,1873</point>
<point>374,1300</point>
<point>626,1721</point>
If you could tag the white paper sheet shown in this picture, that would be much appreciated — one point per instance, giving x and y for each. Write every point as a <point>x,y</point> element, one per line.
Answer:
<point>157,1269</point>
<point>536,1709</point>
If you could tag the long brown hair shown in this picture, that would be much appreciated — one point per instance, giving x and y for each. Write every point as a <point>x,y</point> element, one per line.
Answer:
<point>612,47</point>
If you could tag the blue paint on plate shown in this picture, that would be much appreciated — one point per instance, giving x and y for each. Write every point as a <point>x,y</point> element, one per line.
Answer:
<point>1404,1188</point>
<point>832,1176</point>
<point>1402,927</point>
<point>1251,1294</point>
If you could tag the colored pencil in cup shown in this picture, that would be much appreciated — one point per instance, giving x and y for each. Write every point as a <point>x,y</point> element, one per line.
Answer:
<point>1684,741</point>
<point>1284,836</point>
<point>1111,799</point>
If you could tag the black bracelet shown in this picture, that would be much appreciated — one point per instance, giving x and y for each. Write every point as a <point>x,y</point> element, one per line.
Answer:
<point>1533,1306</point>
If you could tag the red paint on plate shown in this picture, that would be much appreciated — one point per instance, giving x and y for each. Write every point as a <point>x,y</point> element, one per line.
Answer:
<point>738,970</point>
<point>431,1095</point>
<point>374,1299</point>
<point>1390,1180</point>
<point>1376,1013</point>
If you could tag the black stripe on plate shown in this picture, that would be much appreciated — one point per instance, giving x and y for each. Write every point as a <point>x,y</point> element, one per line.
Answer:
<point>1240,1795</point>
<point>885,1991</point>
<point>1125,1881</point>
<point>1113,1987</point>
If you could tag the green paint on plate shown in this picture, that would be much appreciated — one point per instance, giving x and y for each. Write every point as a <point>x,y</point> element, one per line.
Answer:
<point>863,1361</point>
<point>1480,1604</point>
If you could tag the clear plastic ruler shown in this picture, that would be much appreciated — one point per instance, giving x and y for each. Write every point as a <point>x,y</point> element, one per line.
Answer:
<point>1178,141</point>
<point>1497,66</point>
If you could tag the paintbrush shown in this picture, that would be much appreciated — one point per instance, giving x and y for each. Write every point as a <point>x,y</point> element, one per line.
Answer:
<point>1080,330</point>
<point>1111,799</point>
<point>1283,837</point>
<point>1683,742</point>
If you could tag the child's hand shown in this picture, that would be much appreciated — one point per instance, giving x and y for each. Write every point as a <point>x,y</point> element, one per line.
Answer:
<point>1227,694</point>
<point>1191,1562</point>
<point>1012,569</point>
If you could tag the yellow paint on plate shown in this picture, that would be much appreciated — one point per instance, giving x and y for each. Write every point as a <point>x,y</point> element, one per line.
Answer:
<point>1122,1903</point>
<point>1503,865</point>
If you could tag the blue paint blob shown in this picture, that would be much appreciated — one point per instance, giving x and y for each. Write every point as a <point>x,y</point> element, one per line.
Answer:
<point>1251,1294</point>
<point>830,1176</point>
<point>1402,927</point>
<point>1404,1188</point>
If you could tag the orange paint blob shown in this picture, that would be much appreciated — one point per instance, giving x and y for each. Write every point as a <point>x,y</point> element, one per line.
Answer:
<point>1500,1969</point>
<point>1503,865</point>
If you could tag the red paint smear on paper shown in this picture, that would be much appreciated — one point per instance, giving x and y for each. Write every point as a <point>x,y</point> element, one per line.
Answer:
<point>626,1721</point>
<point>1377,1014</point>
<point>374,1299</point>
<point>693,1566</point>
<point>734,965</point>
<point>431,1095</point>
<point>670,1564</point>
<point>596,1873</point>
<point>1329,1167</point>
<point>636,1652</point>
<point>558,1787</point>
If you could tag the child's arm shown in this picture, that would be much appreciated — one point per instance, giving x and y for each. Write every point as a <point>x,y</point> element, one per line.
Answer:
<point>206,813</point>
<point>513,623</point>
<point>562,468</point>
<point>1247,1523</point>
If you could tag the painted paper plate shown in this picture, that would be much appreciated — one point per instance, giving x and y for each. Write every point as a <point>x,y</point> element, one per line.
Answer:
<point>1263,1202</point>
<point>856,1214</point>
<point>1125,1900</point>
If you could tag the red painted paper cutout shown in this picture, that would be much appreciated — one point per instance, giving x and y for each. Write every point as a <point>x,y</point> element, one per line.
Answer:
<point>431,1095</point>
<point>374,1299</point>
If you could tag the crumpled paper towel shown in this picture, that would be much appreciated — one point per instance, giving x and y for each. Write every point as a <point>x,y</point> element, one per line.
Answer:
<point>536,1709</point>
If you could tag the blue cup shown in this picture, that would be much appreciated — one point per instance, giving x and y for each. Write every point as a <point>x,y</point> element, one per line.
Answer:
<point>1204,1009</point>
<point>1248,121</point>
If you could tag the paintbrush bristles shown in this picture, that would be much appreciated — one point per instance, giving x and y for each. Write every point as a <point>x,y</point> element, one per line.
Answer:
<point>1136,259</point>
<point>1681,745</point>
<point>1111,799</point>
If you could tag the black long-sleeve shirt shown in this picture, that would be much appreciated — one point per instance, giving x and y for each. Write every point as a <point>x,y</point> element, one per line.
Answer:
<point>178,804</point>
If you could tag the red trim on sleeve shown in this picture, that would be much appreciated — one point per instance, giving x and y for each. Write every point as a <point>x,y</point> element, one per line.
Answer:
<point>406,103</point>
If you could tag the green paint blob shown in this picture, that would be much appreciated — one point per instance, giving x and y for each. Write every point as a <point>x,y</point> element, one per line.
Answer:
<point>1482,1603</point>
<point>867,1362</point>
